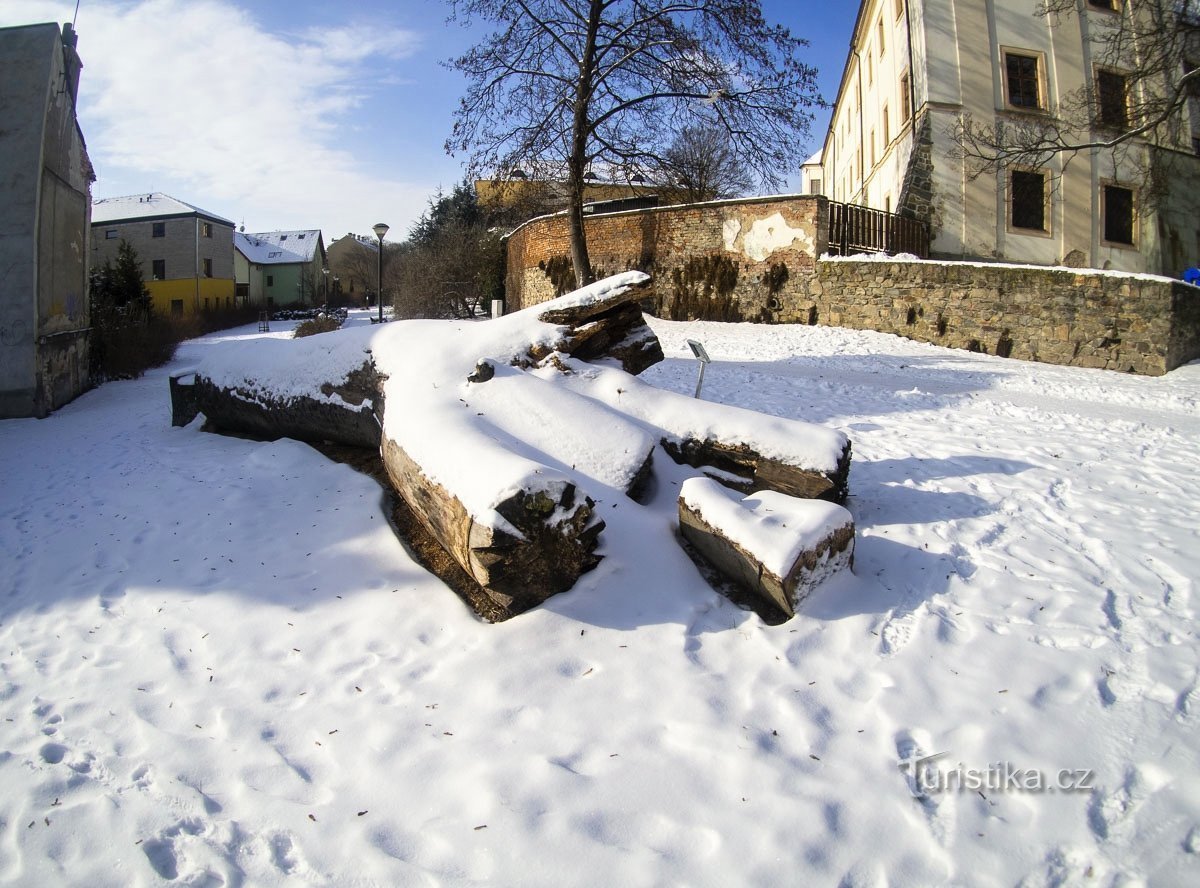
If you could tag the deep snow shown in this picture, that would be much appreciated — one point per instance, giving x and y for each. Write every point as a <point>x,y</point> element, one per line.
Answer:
<point>219,666</point>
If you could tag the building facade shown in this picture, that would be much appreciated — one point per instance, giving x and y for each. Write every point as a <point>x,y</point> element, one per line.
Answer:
<point>277,268</point>
<point>45,197</point>
<point>186,252</point>
<point>354,263</point>
<point>916,67</point>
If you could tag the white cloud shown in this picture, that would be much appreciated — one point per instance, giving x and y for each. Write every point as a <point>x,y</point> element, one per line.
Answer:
<point>198,99</point>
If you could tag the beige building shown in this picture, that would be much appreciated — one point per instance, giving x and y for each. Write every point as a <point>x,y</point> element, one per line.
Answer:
<point>186,252</point>
<point>914,69</point>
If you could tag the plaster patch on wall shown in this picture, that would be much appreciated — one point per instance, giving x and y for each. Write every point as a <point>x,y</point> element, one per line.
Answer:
<point>770,234</point>
<point>730,231</point>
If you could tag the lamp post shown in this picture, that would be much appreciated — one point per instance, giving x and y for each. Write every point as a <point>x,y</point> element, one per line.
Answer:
<point>325,277</point>
<point>380,230</point>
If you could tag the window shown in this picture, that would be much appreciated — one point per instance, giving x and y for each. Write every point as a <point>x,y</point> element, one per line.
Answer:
<point>159,229</point>
<point>1116,205</point>
<point>206,303</point>
<point>110,234</point>
<point>282,238</point>
<point>1109,5</point>
<point>158,269</point>
<point>870,68</point>
<point>206,229</point>
<point>1112,99</point>
<point>887,203</point>
<point>887,130</point>
<point>882,46</point>
<point>177,307</point>
<point>814,187</point>
<point>1196,144</point>
<point>208,268</point>
<point>270,280</point>
<point>1027,200</point>
<point>872,148</point>
<point>1022,80</point>
<point>899,8</point>
<point>905,98</point>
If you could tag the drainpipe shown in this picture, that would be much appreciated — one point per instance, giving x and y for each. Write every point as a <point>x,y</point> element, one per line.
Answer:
<point>912,74</point>
<point>196,264</point>
<point>862,143</point>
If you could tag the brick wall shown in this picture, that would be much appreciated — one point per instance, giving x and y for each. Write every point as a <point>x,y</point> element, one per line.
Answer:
<point>756,260</point>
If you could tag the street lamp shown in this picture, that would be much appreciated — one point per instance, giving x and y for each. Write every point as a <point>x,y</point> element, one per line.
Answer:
<point>325,277</point>
<point>380,230</point>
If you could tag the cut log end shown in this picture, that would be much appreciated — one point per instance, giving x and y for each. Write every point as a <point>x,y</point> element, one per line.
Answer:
<point>830,551</point>
<point>553,545</point>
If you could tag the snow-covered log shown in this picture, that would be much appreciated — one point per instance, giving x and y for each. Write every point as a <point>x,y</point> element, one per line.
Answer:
<point>744,450</point>
<point>343,412</point>
<point>777,547</point>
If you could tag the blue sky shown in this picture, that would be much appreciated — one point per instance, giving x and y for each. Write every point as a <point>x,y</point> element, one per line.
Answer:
<point>298,113</point>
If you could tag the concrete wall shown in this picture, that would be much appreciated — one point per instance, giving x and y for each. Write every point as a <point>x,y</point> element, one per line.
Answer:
<point>758,260</point>
<point>45,203</point>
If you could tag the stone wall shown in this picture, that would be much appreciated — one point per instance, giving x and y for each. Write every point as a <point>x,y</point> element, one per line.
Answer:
<point>711,260</point>
<point>757,261</point>
<point>1138,324</point>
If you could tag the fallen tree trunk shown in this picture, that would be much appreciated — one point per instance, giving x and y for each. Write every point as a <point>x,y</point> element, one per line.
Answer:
<point>540,548</point>
<point>740,448</point>
<point>777,547</point>
<point>346,414</point>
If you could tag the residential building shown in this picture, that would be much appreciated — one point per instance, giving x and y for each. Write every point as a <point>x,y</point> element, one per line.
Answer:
<point>354,263</point>
<point>186,252</point>
<point>915,67</point>
<point>45,197</point>
<point>281,267</point>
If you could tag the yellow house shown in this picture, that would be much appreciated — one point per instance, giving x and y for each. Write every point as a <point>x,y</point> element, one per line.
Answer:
<point>186,252</point>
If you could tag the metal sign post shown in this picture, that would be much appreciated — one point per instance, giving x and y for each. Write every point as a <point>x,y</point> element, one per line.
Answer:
<point>702,356</point>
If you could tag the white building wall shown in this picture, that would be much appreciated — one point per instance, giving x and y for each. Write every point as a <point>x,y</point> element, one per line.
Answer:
<point>956,62</point>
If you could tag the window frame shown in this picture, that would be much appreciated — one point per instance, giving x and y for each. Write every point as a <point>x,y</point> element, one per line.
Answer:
<point>1113,6</point>
<point>1043,90</point>
<point>206,229</point>
<point>158,229</point>
<point>1105,185</point>
<point>899,9</point>
<point>1009,205</point>
<point>157,266</point>
<point>111,234</point>
<point>906,109</point>
<point>1125,125</point>
<point>207,266</point>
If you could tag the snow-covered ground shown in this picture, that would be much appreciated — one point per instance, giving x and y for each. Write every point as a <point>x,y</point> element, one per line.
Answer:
<point>219,666</point>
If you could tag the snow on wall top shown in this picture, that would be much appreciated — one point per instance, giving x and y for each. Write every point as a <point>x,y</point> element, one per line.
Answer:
<point>278,247</point>
<point>154,205</point>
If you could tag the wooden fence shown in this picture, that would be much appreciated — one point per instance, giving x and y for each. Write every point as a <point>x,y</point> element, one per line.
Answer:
<point>855,229</point>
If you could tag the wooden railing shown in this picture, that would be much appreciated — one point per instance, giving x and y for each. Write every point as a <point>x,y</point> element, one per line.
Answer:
<point>855,229</point>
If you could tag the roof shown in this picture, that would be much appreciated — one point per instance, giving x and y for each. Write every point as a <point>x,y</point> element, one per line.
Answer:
<point>359,239</point>
<point>278,247</point>
<point>154,205</point>
<point>815,160</point>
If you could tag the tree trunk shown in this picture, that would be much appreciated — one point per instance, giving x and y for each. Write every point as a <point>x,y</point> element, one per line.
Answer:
<point>578,159</point>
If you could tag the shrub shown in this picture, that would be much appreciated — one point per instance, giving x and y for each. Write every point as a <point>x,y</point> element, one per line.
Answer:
<point>321,324</point>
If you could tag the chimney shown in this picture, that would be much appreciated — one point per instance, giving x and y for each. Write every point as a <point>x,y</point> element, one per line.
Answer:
<point>71,60</point>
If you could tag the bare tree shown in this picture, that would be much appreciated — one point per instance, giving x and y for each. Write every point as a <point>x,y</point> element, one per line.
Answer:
<point>561,85</point>
<point>1145,55</point>
<point>700,165</point>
